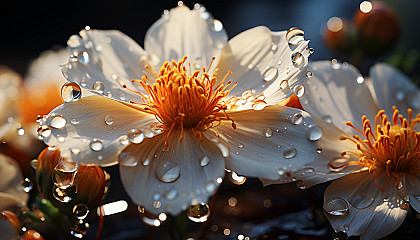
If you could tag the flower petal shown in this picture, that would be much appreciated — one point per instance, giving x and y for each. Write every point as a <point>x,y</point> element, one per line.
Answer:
<point>181,32</point>
<point>335,94</point>
<point>371,213</point>
<point>11,178</point>
<point>94,129</point>
<point>393,88</point>
<point>103,61</point>
<point>265,143</point>
<point>8,229</point>
<point>169,179</point>
<point>412,184</point>
<point>10,82</point>
<point>260,60</point>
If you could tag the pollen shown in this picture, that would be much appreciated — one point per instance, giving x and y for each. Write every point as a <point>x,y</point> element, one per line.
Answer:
<point>181,98</point>
<point>391,146</point>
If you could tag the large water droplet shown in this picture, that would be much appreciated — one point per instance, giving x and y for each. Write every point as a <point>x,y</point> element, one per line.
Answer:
<point>299,90</point>
<point>62,179</point>
<point>216,25</point>
<point>298,59</point>
<point>199,212</point>
<point>109,120</point>
<point>313,133</point>
<point>135,136</point>
<point>80,211</point>
<point>167,172</point>
<point>83,57</point>
<point>336,206</point>
<point>65,195</point>
<point>98,87</point>
<point>27,185</point>
<point>297,118</point>
<point>128,160</point>
<point>57,121</point>
<point>270,74</point>
<point>268,132</point>
<point>294,36</point>
<point>289,152</point>
<point>44,131</point>
<point>71,91</point>
<point>204,160</point>
<point>171,194</point>
<point>361,201</point>
<point>96,145</point>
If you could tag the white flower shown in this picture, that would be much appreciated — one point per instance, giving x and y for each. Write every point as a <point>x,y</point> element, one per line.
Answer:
<point>377,156</point>
<point>174,136</point>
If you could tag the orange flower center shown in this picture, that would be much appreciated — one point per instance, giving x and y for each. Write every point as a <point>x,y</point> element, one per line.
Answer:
<point>180,98</point>
<point>393,147</point>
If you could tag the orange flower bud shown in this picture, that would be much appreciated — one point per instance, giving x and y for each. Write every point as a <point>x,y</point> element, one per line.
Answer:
<point>339,36</point>
<point>32,235</point>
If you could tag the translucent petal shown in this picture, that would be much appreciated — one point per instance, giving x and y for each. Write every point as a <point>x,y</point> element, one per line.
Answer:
<point>335,94</point>
<point>103,61</point>
<point>10,82</point>
<point>371,213</point>
<point>94,129</point>
<point>412,184</point>
<point>260,60</point>
<point>170,179</point>
<point>181,32</point>
<point>11,178</point>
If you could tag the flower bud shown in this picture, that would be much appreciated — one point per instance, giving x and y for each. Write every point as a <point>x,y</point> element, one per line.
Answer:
<point>339,35</point>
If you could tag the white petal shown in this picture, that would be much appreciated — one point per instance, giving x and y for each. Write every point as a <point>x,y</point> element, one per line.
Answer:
<point>173,177</point>
<point>328,151</point>
<point>372,213</point>
<point>10,82</point>
<point>394,88</point>
<point>103,61</point>
<point>95,128</point>
<point>334,94</point>
<point>265,143</point>
<point>181,32</point>
<point>260,60</point>
<point>412,184</point>
<point>11,178</point>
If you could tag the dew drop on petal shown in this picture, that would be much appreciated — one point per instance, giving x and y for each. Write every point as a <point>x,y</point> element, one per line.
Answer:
<point>96,145</point>
<point>44,131</point>
<point>268,132</point>
<point>300,184</point>
<point>167,172</point>
<point>83,57</point>
<point>270,74</point>
<point>79,230</point>
<point>299,90</point>
<point>313,133</point>
<point>289,152</point>
<point>327,118</point>
<point>204,160</point>
<point>199,212</point>
<point>57,121</point>
<point>145,162</point>
<point>294,36</point>
<point>336,206</point>
<point>128,160</point>
<point>135,136</point>
<point>318,149</point>
<point>33,163</point>
<point>124,140</point>
<point>109,120</point>
<point>216,25</point>
<point>27,185</point>
<point>80,211</point>
<point>71,91</point>
<point>361,201</point>
<point>74,41</point>
<point>171,194</point>
<point>308,74</point>
<point>297,59</point>
<point>283,84</point>
<point>65,195</point>
<point>360,79</point>
<point>61,178</point>
<point>297,118</point>
<point>98,87</point>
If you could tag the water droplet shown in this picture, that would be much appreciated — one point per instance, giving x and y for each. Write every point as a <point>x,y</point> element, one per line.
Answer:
<point>96,145</point>
<point>237,179</point>
<point>399,95</point>
<point>311,50</point>
<point>360,80</point>
<point>57,121</point>
<point>204,160</point>
<point>62,179</point>
<point>98,87</point>
<point>60,138</point>
<point>270,74</point>
<point>167,172</point>
<point>299,90</point>
<point>83,57</point>
<point>145,162</point>
<point>80,211</point>
<point>327,118</point>
<point>80,229</point>
<point>294,36</point>
<point>313,133</point>
<point>289,152</point>
<point>300,184</point>
<point>128,160</point>
<point>74,41</point>
<point>268,132</point>
<point>33,163</point>
<point>274,47</point>
<point>361,201</point>
<point>297,59</point>
<point>171,194</point>
<point>223,149</point>
<point>109,120</point>
<point>27,185</point>
<point>124,140</point>
<point>135,136</point>
<point>308,74</point>
<point>65,195</point>
<point>74,121</point>
<point>71,91</point>
<point>283,84</point>
<point>340,235</point>
<point>199,212</point>
<point>297,118</point>
<point>216,25</point>
<point>336,206</point>
<point>318,149</point>
<point>210,187</point>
